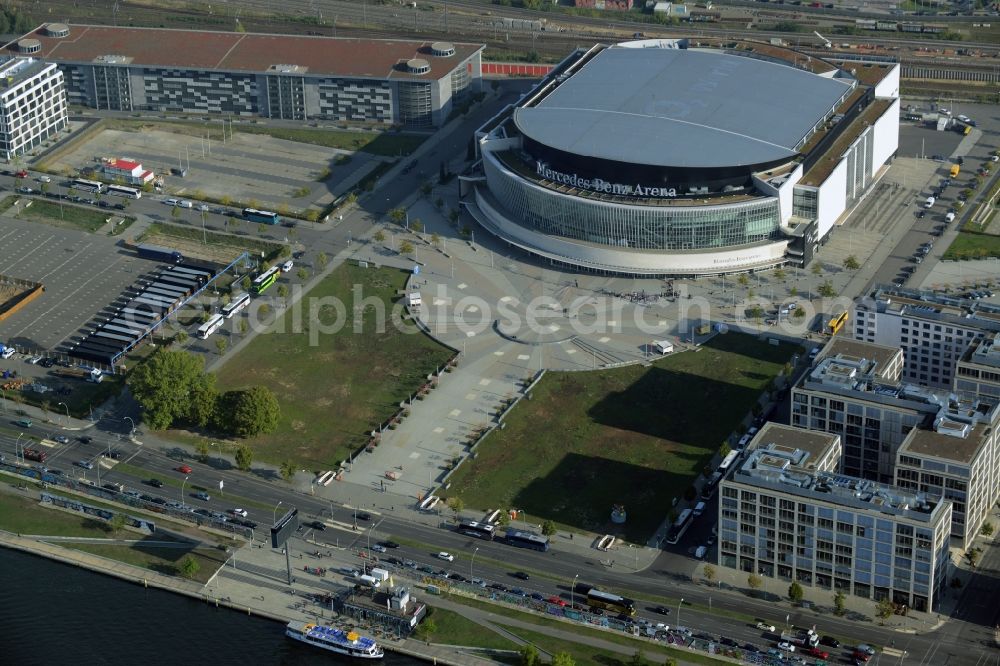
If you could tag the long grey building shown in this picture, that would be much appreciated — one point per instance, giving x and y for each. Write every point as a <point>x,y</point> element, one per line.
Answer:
<point>787,513</point>
<point>388,82</point>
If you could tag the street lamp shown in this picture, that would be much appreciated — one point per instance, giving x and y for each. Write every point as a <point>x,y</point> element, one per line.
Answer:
<point>129,419</point>
<point>473,561</point>
<point>67,412</point>
<point>182,487</point>
<point>274,514</point>
<point>678,616</point>
<point>16,449</point>
<point>572,592</point>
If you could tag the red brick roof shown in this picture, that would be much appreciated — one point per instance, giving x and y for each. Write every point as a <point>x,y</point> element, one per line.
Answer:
<point>227,51</point>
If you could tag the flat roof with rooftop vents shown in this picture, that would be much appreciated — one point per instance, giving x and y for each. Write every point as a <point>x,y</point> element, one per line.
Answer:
<point>881,359</point>
<point>957,442</point>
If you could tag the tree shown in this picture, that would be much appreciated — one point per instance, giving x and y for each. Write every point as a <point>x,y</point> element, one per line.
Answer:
<point>839,603</point>
<point>456,505</point>
<point>986,529</point>
<point>406,247</point>
<point>202,450</point>
<point>563,659</point>
<point>287,470</point>
<point>548,528</point>
<point>435,239</point>
<point>116,522</point>
<point>282,291</point>
<point>244,457</point>
<point>175,212</point>
<point>322,259</point>
<point>243,326</point>
<point>172,386</point>
<point>529,656</point>
<point>248,412</point>
<point>397,215</point>
<point>743,280</point>
<point>817,269</point>
<point>670,661</point>
<point>779,274</point>
<point>416,225</point>
<point>453,216</point>
<point>379,236</point>
<point>221,344</point>
<point>798,313</point>
<point>181,337</point>
<point>795,592</point>
<point>755,582</point>
<point>189,567</point>
<point>884,608</point>
<point>725,449</point>
<point>302,274</point>
<point>239,26</point>
<point>708,571</point>
<point>793,291</point>
<point>851,263</point>
<point>246,282</point>
<point>427,628</point>
<point>826,289</point>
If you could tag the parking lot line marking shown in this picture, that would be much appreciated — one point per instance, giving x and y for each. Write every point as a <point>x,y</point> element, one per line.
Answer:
<point>498,353</point>
<point>604,339</point>
<point>570,351</point>
<point>523,357</point>
<point>471,396</point>
<point>470,334</point>
<point>485,382</point>
<point>438,430</point>
<point>455,412</point>
<point>472,308</point>
<point>462,286</point>
<point>414,455</point>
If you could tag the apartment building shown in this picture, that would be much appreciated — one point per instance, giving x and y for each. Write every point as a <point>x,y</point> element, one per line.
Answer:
<point>787,514</point>
<point>933,331</point>
<point>978,370</point>
<point>32,105</point>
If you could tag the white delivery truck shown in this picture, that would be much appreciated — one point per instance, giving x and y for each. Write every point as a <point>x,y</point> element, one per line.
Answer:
<point>370,581</point>
<point>381,574</point>
<point>663,346</point>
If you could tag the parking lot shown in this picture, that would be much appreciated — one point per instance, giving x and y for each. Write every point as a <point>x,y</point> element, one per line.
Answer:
<point>273,173</point>
<point>82,273</point>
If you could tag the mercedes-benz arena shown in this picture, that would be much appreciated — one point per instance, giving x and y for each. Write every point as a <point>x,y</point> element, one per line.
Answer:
<point>663,157</point>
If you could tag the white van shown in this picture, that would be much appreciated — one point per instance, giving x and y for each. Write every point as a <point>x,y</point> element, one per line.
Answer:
<point>699,552</point>
<point>949,217</point>
<point>370,581</point>
<point>699,509</point>
<point>663,346</point>
<point>930,202</point>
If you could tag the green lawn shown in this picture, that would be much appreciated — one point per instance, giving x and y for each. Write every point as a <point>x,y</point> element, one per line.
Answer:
<point>453,629</point>
<point>337,388</point>
<point>163,560</point>
<point>64,215</point>
<point>973,246</point>
<point>28,516</point>
<point>237,243</point>
<point>635,436</point>
<point>84,396</point>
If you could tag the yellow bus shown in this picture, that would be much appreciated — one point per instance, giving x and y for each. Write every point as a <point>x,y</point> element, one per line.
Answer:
<point>955,169</point>
<point>837,323</point>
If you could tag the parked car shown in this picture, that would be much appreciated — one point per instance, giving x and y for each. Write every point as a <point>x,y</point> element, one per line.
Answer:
<point>556,600</point>
<point>379,548</point>
<point>829,641</point>
<point>62,439</point>
<point>86,464</point>
<point>203,496</point>
<point>317,525</point>
<point>786,646</point>
<point>156,483</point>
<point>764,626</point>
<point>446,556</point>
<point>242,513</point>
<point>866,649</point>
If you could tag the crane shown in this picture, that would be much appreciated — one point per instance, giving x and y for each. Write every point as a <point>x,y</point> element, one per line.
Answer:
<point>826,42</point>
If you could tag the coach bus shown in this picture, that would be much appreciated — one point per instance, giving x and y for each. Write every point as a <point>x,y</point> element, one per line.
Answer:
<point>708,490</point>
<point>202,276</point>
<point>88,185</point>
<point>837,323</point>
<point>123,191</point>
<point>262,216</point>
<point>728,462</point>
<point>265,279</point>
<point>680,526</point>
<point>211,326</point>
<point>479,530</point>
<point>613,602</point>
<point>235,305</point>
<point>525,539</point>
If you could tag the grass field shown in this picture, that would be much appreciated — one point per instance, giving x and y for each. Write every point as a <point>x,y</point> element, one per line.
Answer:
<point>161,559</point>
<point>231,244</point>
<point>973,246</point>
<point>335,391</point>
<point>27,516</point>
<point>62,215</point>
<point>634,436</point>
<point>453,629</point>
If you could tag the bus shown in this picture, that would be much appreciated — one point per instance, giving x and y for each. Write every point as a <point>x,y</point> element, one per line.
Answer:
<point>708,490</point>
<point>525,539</point>
<point>149,302</point>
<point>112,336</point>
<point>680,526</point>
<point>138,314</point>
<point>131,324</point>
<point>728,462</point>
<point>123,191</point>
<point>235,305</point>
<point>173,278</point>
<point>265,280</point>
<point>122,330</point>
<point>613,602</point>
<point>479,530</point>
<point>211,326</point>
<point>837,323</point>
<point>955,168</point>
<point>169,287</point>
<point>201,276</point>
<point>263,216</point>
<point>88,185</point>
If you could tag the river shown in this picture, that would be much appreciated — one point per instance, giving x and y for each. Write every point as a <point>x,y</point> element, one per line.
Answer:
<point>52,613</point>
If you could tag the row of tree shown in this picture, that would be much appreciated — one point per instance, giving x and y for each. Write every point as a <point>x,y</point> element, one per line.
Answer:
<point>174,389</point>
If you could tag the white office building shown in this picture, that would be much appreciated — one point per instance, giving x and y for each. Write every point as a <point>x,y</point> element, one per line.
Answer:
<point>787,513</point>
<point>32,105</point>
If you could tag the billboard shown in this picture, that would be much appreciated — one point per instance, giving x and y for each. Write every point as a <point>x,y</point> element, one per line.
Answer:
<point>284,528</point>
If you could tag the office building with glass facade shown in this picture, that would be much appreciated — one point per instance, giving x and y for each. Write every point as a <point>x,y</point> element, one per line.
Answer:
<point>33,105</point>
<point>787,513</point>
<point>310,78</point>
<point>661,157</point>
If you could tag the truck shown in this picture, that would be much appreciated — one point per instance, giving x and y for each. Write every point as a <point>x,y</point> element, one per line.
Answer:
<point>157,253</point>
<point>35,454</point>
<point>87,374</point>
<point>381,574</point>
<point>807,638</point>
<point>369,581</point>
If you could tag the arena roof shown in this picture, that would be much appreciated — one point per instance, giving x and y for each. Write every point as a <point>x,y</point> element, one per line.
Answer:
<point>243,52</point>
<point>681,107</point>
